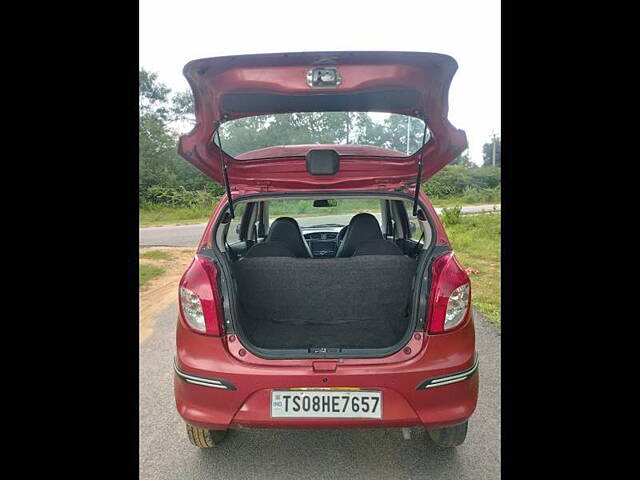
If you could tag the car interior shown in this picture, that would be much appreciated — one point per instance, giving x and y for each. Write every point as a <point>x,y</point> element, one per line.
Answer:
<point>306,284</point>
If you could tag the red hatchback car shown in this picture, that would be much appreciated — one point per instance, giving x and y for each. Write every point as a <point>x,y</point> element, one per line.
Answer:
<point>324,292</point>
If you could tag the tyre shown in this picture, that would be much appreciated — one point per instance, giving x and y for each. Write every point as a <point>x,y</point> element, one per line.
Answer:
<point>203,438</point>
<point>449,437</point>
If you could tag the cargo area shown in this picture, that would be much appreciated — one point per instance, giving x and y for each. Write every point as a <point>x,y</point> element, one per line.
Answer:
<point>305,303</point>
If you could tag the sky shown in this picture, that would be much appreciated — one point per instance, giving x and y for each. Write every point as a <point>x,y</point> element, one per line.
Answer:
<point>175,32</point>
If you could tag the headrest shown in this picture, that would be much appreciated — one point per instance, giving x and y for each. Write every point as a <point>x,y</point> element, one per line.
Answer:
<point>287,231</point>
<point>363,227</point>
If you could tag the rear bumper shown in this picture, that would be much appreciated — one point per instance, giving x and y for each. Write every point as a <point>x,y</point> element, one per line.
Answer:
<point>436,388</point>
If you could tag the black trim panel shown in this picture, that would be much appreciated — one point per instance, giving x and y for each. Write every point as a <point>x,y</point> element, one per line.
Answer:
<point>203,381</point>
<point>450,377</point>
<point>381,100</point>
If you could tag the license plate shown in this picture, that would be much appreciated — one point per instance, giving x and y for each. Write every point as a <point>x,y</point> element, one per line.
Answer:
<point>326,404</point>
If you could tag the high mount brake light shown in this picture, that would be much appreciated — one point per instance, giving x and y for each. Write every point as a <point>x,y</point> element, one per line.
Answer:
<point>200,305</point>
<point>450,295</point>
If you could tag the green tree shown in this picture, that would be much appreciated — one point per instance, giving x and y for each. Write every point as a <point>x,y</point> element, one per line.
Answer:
<point>161,169</point>
<point>252,133</point>
<point>463,160</point>
<point>154,96</point>
<point>182,107</point>
<point>395,133</point>
<point>487,152</point>
<point>157,154</point>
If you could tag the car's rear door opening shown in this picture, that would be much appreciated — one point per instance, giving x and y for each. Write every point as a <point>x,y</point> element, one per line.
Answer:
<point>360,301</point>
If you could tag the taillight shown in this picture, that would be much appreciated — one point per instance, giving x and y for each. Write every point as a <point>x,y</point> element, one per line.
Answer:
<point>198,298</point>
<point>450,295</point>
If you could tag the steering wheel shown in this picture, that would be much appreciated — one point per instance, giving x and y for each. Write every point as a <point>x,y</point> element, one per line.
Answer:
<point>342,233</point>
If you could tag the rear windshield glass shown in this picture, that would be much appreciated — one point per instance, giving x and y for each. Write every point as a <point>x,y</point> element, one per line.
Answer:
<point>390,131</point>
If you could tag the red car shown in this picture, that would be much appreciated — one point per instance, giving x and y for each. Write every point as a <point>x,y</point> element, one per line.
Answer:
<point>324,292</point>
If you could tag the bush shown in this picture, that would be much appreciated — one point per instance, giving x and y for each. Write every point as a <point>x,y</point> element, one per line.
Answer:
<point>481,195</point>
<point>451,216</point>
<point>449,182</point>
<point>454,180</point>
<point>467,185</point>
<point>177,197</point>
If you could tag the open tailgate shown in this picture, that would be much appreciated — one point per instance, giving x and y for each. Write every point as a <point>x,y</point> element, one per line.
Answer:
<point>226,88</point>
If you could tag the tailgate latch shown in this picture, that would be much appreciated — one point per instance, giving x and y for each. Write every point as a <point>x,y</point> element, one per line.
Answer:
<point>325,366</point>
<point>324,77</point>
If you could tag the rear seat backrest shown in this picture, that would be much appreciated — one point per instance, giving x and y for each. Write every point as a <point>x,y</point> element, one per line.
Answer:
<point>378,247</point>
<point>269,249</point>
<point>356,289</point>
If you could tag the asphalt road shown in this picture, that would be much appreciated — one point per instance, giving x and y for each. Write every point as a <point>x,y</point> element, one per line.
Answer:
<point>189,235</point>
<point>165,451</point>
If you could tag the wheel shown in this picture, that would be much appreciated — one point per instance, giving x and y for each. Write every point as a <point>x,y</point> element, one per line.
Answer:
<point>448,437</point>
<point>203,438</point>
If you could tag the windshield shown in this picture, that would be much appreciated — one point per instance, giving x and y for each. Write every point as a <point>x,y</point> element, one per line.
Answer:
<point>391,131</point>
<point>316,217</point>
<point>337,214</point>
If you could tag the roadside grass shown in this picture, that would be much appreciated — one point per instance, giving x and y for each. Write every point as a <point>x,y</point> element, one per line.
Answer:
<point>163,262</point>
<point>470,197</point>
<point>165,215</point>
<point>475,240</point>
<point>457,202</point>
<point>149,272</point>
<point>156,255</point>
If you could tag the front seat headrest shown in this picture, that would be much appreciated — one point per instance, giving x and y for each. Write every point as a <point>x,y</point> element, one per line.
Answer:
<point>287,231</point>
<point>363,227</point>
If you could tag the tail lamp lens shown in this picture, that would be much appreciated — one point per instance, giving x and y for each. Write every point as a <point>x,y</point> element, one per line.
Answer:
<point>456,307</point>
<point>199,300</point>
<point>450,295</point>
<point>192,309</point>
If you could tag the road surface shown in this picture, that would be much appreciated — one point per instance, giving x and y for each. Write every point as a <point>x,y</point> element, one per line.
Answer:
<point>189,235</point>
<point>165,451</point>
